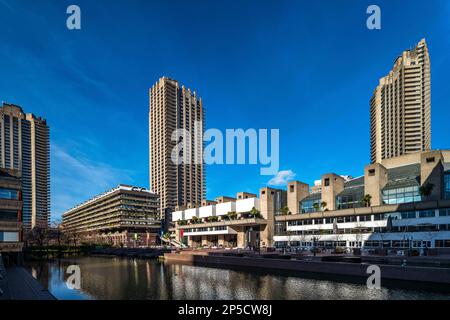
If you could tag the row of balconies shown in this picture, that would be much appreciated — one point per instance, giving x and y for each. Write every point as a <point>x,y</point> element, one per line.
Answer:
<point>220,209</point>
<point>10,226</point>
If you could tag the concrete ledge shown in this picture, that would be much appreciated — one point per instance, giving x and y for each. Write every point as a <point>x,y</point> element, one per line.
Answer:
<point>22,286</point>
<point>393,272</point>
<point>4,289</point>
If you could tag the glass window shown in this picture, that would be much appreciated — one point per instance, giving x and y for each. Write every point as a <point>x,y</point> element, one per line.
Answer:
<point>444,212</point>
<point>350,200</point>
<point>426,214</point>
<point>447,185</point>
<point>308,205</point>
<point>401,195</point>
<point>9,194</point>
<point>408,215</point>
<point>9,236</point>
<point>365,218</point>
<point>442,243</point>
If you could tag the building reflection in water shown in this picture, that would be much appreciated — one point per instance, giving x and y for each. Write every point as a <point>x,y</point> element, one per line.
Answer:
<point>124,279</point>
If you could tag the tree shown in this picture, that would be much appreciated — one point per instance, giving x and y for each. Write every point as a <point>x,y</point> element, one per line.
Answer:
<point>426,190</point>
<point>367,200</point>
<point>194,220</point>
<point>212,219</point>
<point>285,211</point>
<point>316,206</point>
<point>38,236</point>
<point>255,213</point>
<point>57,232</point>
<point>74,237</point>
<point>232,215</point>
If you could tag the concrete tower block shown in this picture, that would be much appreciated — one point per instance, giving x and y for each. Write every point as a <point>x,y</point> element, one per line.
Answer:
<point>296,192</point>
<point>267,196</point>
<point>432,171</point>
<point>375,179</point>
<point>332,185</point>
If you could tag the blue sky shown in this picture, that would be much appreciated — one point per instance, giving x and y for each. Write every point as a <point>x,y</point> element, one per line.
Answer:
<point>305,67</point>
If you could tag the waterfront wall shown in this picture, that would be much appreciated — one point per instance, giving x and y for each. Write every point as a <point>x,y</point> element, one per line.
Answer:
<point>4,291</point>
<point>392,272</point>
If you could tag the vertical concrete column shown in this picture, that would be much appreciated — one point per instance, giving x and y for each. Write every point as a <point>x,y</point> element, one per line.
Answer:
<point>296,192</point>
<point>332,185</point>
<point>221,241</point>
<point>240,237</point>
<point>177,233</point>
<point>432,172</point>
<point>375,179</point>
<point>267,205</point>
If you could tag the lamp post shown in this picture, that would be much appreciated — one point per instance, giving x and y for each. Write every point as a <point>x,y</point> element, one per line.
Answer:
<point>314,245</point>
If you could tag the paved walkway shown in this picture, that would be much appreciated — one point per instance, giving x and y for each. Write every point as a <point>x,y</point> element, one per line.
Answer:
<point>22,286</point>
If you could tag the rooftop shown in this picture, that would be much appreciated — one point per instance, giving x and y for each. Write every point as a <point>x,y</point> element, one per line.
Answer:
<point>122,187</point>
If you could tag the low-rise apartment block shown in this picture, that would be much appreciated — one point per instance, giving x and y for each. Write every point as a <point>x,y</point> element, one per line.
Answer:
<point>400,203</point>
<point>126,216</point>
<point>10,214</point>
<point>244,221</point>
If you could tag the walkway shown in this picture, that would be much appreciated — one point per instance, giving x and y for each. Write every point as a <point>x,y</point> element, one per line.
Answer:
<point>22,286</point>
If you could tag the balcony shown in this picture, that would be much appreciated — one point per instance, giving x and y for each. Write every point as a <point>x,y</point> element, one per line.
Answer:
<point>10,226</point>
<point>237,222</point>
<point>11,246</point>
<point>247,205</point>
<point>9,204</point>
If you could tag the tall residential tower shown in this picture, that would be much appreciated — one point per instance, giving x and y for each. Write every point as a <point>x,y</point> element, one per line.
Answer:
<point>176,156</point>
<point>25,146</point>
<point>400,108</point>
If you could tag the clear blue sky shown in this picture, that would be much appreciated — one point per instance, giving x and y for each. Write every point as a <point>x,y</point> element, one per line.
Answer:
<point>305,67</point>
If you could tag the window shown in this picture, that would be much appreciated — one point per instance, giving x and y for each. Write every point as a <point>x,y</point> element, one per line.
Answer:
<point>327,182</point>
<point>365,218</point>
<point>350,219</point>
<point>9,194</point>
<point>291,188</point>
<point>349,201</point>
<point>11,216</point>
<point>444,212</point>
<point>431,160</point>
<point>408,215</point>
<point>9,236</point>
<point>447,185</point>
<point>371,172</point>
<point>308,205</point>
<point>401,195</point>
<point>442,243</point>
<point>426,214</point>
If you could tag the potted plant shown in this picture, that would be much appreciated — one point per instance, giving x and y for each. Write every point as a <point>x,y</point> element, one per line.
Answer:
<point>426,190</point>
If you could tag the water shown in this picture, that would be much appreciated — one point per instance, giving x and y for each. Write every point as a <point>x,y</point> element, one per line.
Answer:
<point>118,278</point>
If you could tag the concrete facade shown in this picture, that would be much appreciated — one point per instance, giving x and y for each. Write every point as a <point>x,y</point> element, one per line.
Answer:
<point>25,146</point>
<point>177,177</point>
<point>400,108</point>
<point>122,216</point>
<point>11,206</point>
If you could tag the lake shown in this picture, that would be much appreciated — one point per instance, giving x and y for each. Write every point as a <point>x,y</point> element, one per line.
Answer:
<point>108,278</point>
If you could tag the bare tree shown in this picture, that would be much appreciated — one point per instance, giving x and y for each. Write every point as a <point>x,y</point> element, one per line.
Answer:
<point>74,237</point>
<point>57,232</point>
